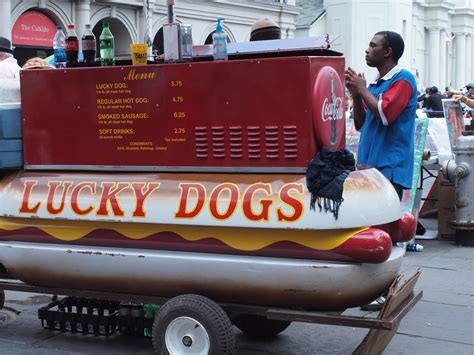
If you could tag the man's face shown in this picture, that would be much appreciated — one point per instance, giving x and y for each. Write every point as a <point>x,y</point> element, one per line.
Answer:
<point>375,54</point>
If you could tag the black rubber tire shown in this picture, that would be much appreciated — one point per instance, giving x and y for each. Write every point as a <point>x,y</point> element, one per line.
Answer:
<point>207,312</point>
<point>2,298</point>
<point>260,326</point>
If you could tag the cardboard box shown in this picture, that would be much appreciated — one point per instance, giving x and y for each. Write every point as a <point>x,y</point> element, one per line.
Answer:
<point>446,200</point>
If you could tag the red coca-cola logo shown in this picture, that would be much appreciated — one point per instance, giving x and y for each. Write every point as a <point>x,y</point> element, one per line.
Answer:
<point>328,106</point>
<point>332,110</point>
<point>72,45</point>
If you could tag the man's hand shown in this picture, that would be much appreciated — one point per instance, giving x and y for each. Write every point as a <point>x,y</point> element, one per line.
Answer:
<point>355,82</point>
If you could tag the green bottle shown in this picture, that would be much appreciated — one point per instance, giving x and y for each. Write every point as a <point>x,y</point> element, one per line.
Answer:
<point>107,46</point>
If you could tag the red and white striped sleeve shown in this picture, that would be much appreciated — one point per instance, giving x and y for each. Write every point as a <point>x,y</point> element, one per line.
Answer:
<point>394,100</point>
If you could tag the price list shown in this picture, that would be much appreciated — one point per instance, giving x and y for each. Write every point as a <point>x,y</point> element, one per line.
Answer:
<point>120,112</point>
<point>177,134</point>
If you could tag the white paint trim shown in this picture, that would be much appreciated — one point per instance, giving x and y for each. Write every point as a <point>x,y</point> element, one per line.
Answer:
<point>382,115</point>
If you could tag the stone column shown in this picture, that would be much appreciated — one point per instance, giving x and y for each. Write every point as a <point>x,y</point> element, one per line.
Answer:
<point>460,69</point>
<point>6,19</point>
<point>469,59</point>
<point>433,54</point>
<point>443,68</point>
<point>83,16</point>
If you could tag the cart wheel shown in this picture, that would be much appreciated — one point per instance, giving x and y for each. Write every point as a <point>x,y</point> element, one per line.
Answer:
<point>2,298</point>
<point>259,326</point>
<point>192,324</point>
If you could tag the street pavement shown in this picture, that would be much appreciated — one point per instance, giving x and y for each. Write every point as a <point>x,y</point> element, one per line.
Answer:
<point>441,323</point>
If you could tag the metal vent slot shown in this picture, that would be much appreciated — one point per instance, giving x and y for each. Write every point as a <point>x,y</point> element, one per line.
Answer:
<point>200,136</point>
<point>271,142</point>
<point>253,142</point>
<point>290,140</point>
<point>218,141</point>
<point>236,150</point>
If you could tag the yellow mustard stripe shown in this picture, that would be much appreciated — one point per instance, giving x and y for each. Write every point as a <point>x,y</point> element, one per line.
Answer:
<point>246,239</point>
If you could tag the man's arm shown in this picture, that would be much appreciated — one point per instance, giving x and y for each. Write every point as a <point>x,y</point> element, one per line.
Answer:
<point>469,102</point>
<point>359,111</point>
<point>370,100</point>
<point>356,84</point>
<point>429,103</point>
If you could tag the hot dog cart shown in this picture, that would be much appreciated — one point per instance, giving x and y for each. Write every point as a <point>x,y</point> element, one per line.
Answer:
<point>186,182</point>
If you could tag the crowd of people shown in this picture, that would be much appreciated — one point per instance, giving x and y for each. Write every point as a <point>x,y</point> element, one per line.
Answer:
<point>430,101</point>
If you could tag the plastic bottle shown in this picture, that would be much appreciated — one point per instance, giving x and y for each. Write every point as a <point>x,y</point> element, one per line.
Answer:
<point>219,42</point>
<point>59,46</point>
<point>107,46</point>
<point>414,247</point>
<point>72,47</point>
<point>88,47</point>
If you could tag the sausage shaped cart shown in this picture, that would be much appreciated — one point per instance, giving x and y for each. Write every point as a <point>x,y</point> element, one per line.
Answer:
<point>186,182</point>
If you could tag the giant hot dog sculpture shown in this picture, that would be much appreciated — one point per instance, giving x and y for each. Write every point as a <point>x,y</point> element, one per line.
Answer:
<point>256,217</point>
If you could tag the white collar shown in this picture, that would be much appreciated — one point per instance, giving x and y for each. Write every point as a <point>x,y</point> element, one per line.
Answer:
<point>389,75</point>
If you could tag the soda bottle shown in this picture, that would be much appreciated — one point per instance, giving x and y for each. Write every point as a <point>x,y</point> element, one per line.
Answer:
<point>88,47</point>
<point>107,46</point>
<point>72,47</point>
<point>59,48</point>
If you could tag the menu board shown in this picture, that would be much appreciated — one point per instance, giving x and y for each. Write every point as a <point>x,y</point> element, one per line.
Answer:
<point>253,115</point>
<point>123,113</point>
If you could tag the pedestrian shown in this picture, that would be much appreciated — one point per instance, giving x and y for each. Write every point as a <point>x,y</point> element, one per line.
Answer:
<point>384,112</point>
<point>9,69</point>
<point>470,90</point>
<point>422,99</point>
<point>434,103</point>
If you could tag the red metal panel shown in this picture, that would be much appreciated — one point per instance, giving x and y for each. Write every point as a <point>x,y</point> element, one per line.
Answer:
<point>254,114</point>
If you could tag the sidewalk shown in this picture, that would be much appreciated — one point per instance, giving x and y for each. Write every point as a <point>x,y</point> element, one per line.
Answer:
<point>443,321</point>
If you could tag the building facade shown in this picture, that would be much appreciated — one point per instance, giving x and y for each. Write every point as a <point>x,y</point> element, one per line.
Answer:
<point>30,24</point>
<point>438,33</point>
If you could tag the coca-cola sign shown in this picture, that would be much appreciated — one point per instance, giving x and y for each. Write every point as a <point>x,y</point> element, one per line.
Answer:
<point>332,110</point>
<point>328,106</point>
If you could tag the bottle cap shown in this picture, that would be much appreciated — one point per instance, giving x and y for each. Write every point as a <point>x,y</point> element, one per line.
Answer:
<point>59,28</point>
<point>105,24</point>
<point>219,24</point>
<point>88,25</point>
<point>71,27</point>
